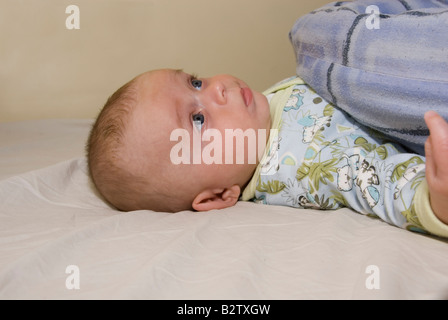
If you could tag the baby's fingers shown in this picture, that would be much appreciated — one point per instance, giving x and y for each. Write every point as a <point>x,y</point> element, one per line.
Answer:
<point>437,153</point>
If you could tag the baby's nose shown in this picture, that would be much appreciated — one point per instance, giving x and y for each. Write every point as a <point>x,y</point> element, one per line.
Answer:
<point>218,92</point>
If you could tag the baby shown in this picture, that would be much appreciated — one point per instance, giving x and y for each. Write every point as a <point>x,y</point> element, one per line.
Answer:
<point>143,152</point>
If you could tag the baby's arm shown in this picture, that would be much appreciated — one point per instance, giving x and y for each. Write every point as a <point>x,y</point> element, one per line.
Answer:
<point>436,149</point>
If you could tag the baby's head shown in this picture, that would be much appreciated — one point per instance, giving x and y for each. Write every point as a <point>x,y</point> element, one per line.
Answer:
<point>160,142</point>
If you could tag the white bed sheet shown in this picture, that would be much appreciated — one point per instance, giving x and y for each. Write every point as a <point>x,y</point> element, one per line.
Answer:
<point>51,218</point>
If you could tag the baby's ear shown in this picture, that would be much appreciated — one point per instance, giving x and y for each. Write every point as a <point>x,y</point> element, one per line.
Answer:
<point>216,198</point>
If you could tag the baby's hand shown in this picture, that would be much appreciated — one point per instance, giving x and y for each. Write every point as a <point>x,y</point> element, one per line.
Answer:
<point>436,149</point>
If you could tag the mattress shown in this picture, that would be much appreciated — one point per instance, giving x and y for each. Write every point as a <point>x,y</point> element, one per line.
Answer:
<point>60,240</point>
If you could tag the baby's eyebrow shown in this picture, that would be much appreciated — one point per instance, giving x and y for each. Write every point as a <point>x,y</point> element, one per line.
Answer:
<point>182,120</point>
<point>179,75</point>
<point>178,72</point>
<point>180,117</point>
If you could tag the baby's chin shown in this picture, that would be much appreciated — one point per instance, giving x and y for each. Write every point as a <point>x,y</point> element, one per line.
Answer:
<point>263,109</point>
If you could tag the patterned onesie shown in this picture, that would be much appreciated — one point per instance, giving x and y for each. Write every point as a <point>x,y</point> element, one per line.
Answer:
<point>324,159</point>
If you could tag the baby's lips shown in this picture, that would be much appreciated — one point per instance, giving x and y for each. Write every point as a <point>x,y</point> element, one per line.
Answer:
<point>247,96</point>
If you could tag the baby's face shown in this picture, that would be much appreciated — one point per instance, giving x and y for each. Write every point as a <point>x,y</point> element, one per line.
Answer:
<point>169,100</point>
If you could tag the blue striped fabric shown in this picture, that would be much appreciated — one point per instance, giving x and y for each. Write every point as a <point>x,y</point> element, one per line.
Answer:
<point>385,64</point>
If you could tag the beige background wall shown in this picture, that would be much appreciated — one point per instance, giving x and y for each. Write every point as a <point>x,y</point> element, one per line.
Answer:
<point>49,71</point>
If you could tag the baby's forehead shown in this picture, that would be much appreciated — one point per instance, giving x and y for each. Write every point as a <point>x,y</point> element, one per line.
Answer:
<point>154,117</point>
<point>160,86</point>
<point>155,77</point>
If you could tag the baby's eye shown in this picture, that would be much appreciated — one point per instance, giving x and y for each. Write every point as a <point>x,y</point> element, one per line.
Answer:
<point>198,120</point>
<point>196,83</point>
